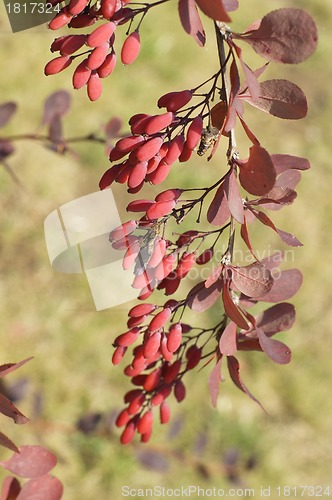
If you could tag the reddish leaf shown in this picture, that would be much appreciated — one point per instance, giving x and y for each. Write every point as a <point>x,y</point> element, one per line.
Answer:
<point>191,21</point>
<point>273,261</point>
<point>214,9</point>
<point>57,104</point>
<point>280,98</point>
<point>227,342</point>
<point>234,198</point>
<point>284,287</point>
<point>284,35</point>
<point>200,298</point>
<point>245,236</point>
<point>44,487</point>
<point>10,367</point>
<point>10,410</point>
<point>231,310</point>
<point>247,130</point>
<point>215,378</point>
<point>218,212</point>
<point>278,318</point>
<point>7,443</point>
<point>288,180</point>
<point>10,488</point>
<point>230,5</point>
<point>55,130</point>
<point>251,79</point>
<point>287,162</point>
<point>257,175</point>
<point>276,350</point>
<point>113,127</point>
<point>7,110</point>
<point>32,461</point>
<point>249,345</point>
<point>234,371</point>
<point>287,238</point>
<point>253,280</point>
<point>218,114</point>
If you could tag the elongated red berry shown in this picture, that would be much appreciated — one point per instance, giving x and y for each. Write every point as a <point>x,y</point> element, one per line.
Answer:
<point>174,337</point>
<point>159,250</point>
<point>127,338</point>
<point>165,413</point>
<point>81,75</point>
<point>151,346</point>
<point>57,43</point>
<point>173,101</point>
<point>157,123</point>
<point>118,355</point>
<point>141,310</point>
<point>145,423</point>
<point>165,267</point>
<point>108,7</point>
<point>149,149</point>
<point>136,404</point>
<point>127,144</point>
<point>137,174</point>
<point>193,356</point>
<point>160,174</point>
<point>130,255</point>
<point>76,6</point>
<point>123,418</point>
<point>174,150</point>
<point>186,263</point>
<point>82,21</point>
<point>152,380</point>
<point>160,208</point>
<point>161,394</point>
<point>109,176</point>
<point>131,48</point>
<point>71,44</point>
<point>179,391</point>
<point>137,123</point>
<point>205,256</point>
<point>160,319</point>
<point>94,87</point>
<point>97,56</point>
<point>140,205</point>
<point>169,194</point>
<point>123,230</point>
<point>56,65</point>
<point>101,35</point>
<point>108,65</point>
<point>194,132</point>
<point>128,433</point>
<point>172,371</point>
<point>60,20</point>
<point>124,243</point>
<point>185,153</point>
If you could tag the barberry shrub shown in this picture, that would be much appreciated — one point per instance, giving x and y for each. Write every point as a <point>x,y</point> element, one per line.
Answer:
<point>163,342</point>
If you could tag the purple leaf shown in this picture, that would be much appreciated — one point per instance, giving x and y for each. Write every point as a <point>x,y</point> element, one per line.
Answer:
<point>234,371</point>
<point>57,104</point>
<point>280,98</point>
<point>287,238</point>
<point>214,9</point>
<point>234,198</point>
<point>10,488</point>
<point>31,461</point>
<point>253,280</point>
<point>283,35</point>
<point>232,310</point>
<point>7,110</point>
<point>284,287</point>
<point>278,318</point>
<point>218,212</point>
<point>10,410</point>
<point>227,342</point>
<point>287,162</point>
<point>43,487</point>
<point>257,174</point>
<point>215,378</point>
<point>200,298</point>
<point>7,443</point>
<point>191,21</point>
<point>276,350</point>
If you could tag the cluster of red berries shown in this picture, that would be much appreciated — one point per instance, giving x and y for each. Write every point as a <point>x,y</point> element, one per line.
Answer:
<point>99,54</point>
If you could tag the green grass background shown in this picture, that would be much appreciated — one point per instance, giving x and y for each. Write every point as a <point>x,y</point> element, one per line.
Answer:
<point>51,316</point>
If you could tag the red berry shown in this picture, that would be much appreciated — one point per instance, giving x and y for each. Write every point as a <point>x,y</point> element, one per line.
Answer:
<point>130,255</point>
<point>130,48</point>
<point>165,267</point>
<point>179,391</point>
<point>166,354</point>
<point>149,149</point>
<point>76,6</point>
<point>185,154</point>
<point>137,123</point>
<point>123,230</point>
<point>152,380</point>
<point>123,418</point>
<point>136,404</point>
<point>109,176</point>
<point>160,174</point>
<point>128,434</point>
<point>60,20</point>
<point>97,56</point>
<point>101,35</point>
<point>118,355</point>
<point>205,256</point>
<point>157,123</point>
<point>159,249</point>
<point>174,150</point>
<point>56,65</point>
<point>81,76</point>
<point>160,319</point>
<point>94,87</point>
<point>161,395</point>
<point>172,371</point>
<point>82,21</point>
<point>194,132</point>
<point>132,322</point>
<point>173,101</point>
<point>145,423</point>
<point>151,346</point>
<point>160,208</point>
<point>71,44</point>
<point>137,174</point>
<point>140,205</point>
<point>57,43</point>
<point>128,338</point>
<point>165,413</point>
<point>141,310</point>
<point>193,356</point>
<point>108,65</point>
<point>186,263</point>
<point>174,337</point>
<point>108,7</point>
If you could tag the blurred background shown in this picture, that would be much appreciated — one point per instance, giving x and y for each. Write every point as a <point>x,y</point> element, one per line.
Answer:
<point>70,390</point>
